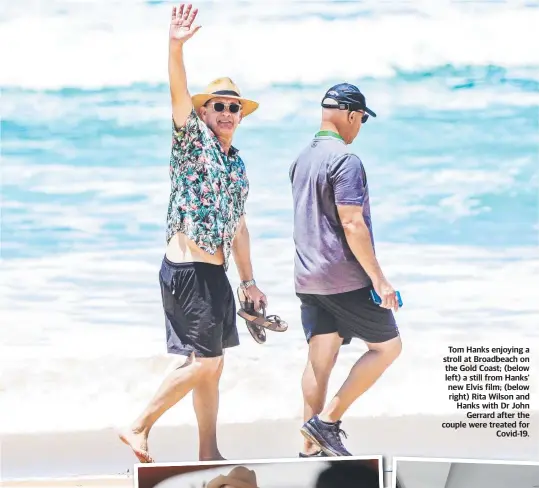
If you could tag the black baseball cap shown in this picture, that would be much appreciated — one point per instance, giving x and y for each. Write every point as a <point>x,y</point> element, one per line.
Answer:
<point>345,96</point>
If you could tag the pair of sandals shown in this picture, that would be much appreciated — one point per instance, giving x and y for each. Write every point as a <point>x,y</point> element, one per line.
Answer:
<point>257,321</point>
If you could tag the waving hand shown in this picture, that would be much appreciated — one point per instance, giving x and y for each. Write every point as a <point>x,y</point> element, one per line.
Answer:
<point>181,24</point>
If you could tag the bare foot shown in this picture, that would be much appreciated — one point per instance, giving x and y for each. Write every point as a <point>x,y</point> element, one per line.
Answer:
<point>138,442</point>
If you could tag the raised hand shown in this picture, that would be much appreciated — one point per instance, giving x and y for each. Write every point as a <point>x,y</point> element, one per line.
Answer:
<point>181,23</point>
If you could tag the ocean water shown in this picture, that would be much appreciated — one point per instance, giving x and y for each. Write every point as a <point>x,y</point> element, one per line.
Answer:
<point>452,160</point>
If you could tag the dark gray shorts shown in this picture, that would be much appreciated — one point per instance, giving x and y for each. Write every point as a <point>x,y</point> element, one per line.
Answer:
<point>351,314</point>
<point>200,311</point>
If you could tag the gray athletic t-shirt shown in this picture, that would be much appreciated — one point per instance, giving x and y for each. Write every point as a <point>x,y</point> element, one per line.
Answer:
<point>323,176</point>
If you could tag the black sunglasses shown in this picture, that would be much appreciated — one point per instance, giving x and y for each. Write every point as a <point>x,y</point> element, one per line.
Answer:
<point>233,108</point>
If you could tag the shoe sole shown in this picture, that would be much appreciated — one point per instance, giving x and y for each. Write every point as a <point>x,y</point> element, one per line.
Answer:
<point>319,454</point>
<point>308,434</point>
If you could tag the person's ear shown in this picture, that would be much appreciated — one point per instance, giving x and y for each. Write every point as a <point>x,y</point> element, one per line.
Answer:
<point>352,117</point>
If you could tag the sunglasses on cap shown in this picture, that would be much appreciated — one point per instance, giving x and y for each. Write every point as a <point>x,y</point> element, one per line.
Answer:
<point>351,107</point>
<point>232,107</point>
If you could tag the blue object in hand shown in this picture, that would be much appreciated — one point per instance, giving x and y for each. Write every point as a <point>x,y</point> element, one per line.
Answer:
<point>376,298</point>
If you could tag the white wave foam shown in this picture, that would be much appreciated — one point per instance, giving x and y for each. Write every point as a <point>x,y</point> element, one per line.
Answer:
<point>83,335</point>
<point>112,45</point>
<point>277,105</point>
<point>457,191</point>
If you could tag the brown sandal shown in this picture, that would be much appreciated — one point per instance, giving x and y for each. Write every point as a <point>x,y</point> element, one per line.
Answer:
<point>257,332</point>
<point>259,319</point>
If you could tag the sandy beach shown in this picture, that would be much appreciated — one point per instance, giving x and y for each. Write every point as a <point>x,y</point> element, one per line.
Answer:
<point>72,482</point>
<point>100,453</point>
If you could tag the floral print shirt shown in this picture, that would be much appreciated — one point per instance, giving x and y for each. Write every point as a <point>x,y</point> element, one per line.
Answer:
<point>208,188</point>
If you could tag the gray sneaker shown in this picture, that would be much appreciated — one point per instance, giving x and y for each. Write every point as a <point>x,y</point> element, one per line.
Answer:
<point>325,435</point>
<point>315,454</point>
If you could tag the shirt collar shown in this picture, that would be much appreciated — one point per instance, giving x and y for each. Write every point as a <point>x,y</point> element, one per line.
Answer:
<point>329,134</point>
<point>232,152</point>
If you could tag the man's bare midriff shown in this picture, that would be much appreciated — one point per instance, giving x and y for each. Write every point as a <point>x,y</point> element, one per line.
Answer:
<point>180,249</point>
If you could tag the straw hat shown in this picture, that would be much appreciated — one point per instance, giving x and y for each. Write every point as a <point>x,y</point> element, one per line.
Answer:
<point>224,87</point>
<point>239,477</point>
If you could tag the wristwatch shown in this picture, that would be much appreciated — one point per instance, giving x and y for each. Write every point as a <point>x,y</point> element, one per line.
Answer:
<point>247,284</point>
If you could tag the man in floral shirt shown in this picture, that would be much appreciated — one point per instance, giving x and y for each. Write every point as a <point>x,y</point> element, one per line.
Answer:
<point>205,224</point>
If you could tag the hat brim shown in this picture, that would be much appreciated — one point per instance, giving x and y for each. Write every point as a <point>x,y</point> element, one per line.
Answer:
<point>222,480</point>
<point>345,105</point>
<point>370,112</point>
<point>247,106</point>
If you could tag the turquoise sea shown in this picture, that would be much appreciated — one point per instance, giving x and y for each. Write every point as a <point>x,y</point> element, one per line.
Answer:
<point>452,160</point>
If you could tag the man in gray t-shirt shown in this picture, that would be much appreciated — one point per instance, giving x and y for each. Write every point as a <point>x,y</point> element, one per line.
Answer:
<point>326,175</point>
<point>336,270</point>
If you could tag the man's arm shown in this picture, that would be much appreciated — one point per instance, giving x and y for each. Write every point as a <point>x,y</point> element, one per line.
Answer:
<point>358,238</point>
<point>241,250</point>
<point>349,186</point>
<point>181,30</point>
<point>180,97</point>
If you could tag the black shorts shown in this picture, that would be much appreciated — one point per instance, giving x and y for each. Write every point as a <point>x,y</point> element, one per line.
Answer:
<point>351,314</point>
<point>200,312</point>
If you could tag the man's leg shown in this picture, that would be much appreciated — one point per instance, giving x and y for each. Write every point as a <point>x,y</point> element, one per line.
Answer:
<point>206,404</point>
<point>362,376</point>
<point>356,315</point>
<point>323,352</point>
<point>185,375</point>
<point>206,391</point>
<point>324,429</point>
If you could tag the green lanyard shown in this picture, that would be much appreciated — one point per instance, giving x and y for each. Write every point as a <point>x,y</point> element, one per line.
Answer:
<point>328,133</point>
